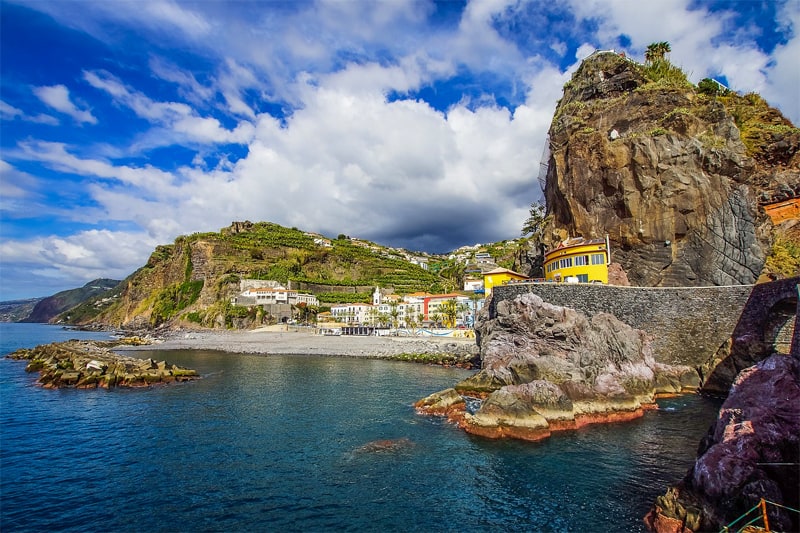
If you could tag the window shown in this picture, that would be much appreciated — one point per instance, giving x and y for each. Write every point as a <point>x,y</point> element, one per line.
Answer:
<point>582,260</point>
<point>583,278</point>
<point>565,263</point>
<point>598,259</point>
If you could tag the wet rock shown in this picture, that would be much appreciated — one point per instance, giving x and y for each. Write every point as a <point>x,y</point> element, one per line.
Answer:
<point>547,368</point>
<point>92,364</point>
<point>751,452</point>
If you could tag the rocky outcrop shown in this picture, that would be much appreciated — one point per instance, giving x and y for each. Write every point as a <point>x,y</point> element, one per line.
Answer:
<point>667,173</point>
<point>547,368</point>
<point>751,452</point>
<point>92,364</point>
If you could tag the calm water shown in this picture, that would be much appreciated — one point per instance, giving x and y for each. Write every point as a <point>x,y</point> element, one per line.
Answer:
<point>272,443</point>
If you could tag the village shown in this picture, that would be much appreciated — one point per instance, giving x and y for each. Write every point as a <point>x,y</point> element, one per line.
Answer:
<point>575,260</point>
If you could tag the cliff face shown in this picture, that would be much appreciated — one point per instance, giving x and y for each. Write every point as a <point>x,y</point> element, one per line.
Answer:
<point>46,309</point>
<point>751,452</point>
<point>668,174</point>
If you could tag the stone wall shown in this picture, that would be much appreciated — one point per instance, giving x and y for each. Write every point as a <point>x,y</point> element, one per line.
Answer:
<point>687,324</point>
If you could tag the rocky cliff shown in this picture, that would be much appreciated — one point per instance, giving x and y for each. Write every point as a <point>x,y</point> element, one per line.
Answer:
<point>675,177</point>
<point>751,452</point>
<point>48,308</point>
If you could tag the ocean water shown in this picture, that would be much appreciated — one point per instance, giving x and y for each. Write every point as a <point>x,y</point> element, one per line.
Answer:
<point>282,444</point>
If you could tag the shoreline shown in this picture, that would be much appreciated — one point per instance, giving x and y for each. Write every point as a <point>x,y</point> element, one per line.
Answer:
<point>266,342</point>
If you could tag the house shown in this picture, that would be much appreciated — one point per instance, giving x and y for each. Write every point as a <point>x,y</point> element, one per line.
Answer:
<point>500,276</point>
<point>354,313</point>
<point>473,284</point>
<point>578,260</point>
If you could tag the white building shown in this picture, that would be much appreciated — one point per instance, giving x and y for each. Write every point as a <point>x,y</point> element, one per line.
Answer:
<point>273,295</point>
<point>355,313</point>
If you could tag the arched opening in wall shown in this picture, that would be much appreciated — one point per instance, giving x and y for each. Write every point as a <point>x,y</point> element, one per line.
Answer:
<point>779,325</point>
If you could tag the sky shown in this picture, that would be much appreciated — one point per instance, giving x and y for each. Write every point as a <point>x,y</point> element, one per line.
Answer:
<point>416,124</point>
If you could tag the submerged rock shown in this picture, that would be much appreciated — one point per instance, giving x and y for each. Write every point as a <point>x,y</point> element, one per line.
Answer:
<point>751,452</point>
<point>92,364</point>
<point>386,446</point>
<point>547,368</point>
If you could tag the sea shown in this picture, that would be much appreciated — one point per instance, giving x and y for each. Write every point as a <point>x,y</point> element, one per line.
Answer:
<point>308,443</point>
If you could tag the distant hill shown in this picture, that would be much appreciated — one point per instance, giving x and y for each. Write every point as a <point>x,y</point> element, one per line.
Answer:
<point>193,279</point>
<point>17,310</point>
<point>45,309</point>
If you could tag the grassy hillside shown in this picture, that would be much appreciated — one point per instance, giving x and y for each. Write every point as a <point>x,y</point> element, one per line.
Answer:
<point>195,277</point>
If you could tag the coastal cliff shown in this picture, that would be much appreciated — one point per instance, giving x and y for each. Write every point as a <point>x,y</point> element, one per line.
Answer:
<point>190,283</point>
<point>676,177</point>
<point>751,452</point>
<point>547,368</point>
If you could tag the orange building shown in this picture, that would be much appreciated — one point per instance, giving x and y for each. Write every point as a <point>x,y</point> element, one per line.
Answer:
<point>783,211</point>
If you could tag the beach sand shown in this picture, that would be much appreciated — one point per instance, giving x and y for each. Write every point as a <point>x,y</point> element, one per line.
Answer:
<point>270,342</point>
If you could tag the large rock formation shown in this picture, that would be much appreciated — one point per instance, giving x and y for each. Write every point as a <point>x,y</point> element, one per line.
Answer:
<point>92,364</point>
<point>673,176</point>
<point>547,368</point>
<point>751,452</point>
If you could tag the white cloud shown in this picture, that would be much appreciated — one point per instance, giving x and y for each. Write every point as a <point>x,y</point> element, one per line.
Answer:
<point>57,97</point>
<point>14,185</point>
<point>782,85</point>
<point>705,45</point>
<point>178,121</point>
<point>9,112</point>
<point>44,265</point>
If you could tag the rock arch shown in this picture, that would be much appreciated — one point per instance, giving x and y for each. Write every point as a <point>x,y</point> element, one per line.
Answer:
<point>768,324</point>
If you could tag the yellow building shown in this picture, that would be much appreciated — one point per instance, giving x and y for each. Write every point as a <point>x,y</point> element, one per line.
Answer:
<point>578,261</point>
<point>500,276</point>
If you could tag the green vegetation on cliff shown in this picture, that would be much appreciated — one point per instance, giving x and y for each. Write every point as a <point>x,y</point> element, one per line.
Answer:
<point>195,278</point>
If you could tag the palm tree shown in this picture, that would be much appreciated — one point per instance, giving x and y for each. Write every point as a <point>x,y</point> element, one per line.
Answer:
<point>450,312</point>
<point>656,51</point>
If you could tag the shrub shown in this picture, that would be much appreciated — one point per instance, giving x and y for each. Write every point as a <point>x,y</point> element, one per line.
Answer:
<point>708,86</point>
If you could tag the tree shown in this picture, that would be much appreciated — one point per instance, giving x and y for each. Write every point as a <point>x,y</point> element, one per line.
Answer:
<point>450,312</point>
<point>708,86</point>
<point>537,221</point>
<point>453,274</point>
<point>657,52</point>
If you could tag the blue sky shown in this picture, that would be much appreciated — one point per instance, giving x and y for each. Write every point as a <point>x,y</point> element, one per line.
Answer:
<point>411,123</point>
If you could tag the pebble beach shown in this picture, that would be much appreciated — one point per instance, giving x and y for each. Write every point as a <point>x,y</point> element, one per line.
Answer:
<point>270,342</point>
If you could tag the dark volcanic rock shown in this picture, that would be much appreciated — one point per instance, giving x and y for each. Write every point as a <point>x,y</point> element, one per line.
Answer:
<point>751,452</point>
<point>667,174</point>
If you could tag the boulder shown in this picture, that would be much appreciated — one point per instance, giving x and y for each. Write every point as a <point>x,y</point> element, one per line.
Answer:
<point>751,452</point>
<point>547,368</point>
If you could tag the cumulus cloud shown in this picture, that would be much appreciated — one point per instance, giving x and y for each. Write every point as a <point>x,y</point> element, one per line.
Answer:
<point>57,97</point>
<point>44,265</point>
<point>356,148</point>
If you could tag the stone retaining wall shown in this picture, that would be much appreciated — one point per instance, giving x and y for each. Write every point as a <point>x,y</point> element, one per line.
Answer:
<point>687,325</point>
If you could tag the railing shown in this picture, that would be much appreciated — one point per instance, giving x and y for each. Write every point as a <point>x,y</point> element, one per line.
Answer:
<point>758,513</point>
